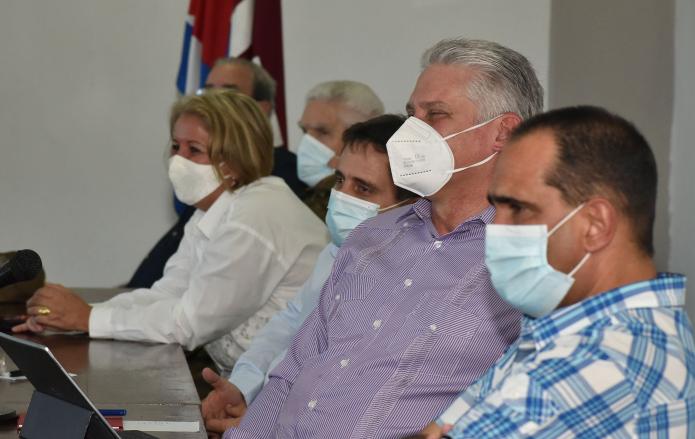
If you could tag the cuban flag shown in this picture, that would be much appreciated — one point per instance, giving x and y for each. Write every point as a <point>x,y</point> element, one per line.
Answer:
<point>250,29</point>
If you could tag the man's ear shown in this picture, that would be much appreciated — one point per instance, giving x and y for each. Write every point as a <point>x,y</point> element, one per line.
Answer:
<point>505,126</point>
<point>266,107</point>
<point>602,224</point>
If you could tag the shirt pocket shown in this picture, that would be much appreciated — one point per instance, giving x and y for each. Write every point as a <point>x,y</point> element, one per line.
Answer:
<point>444,338</point>
<point>349,316</point>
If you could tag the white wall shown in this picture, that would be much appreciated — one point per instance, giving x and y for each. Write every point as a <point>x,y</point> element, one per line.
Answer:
<point>85,87</point>
<point>621,59</point>
<point>379,42</point>
<point>681,186</point>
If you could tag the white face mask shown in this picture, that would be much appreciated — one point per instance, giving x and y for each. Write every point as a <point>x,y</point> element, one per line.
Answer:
<point>312,160</point>
<point>192,182</point>
<point>421,159</point>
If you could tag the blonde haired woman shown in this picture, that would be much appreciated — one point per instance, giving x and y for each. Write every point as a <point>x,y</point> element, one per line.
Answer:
<point>245,252</point>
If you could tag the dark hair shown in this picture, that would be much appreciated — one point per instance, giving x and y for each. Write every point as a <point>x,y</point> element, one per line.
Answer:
<point>375,133</point>
<point>600,153</point>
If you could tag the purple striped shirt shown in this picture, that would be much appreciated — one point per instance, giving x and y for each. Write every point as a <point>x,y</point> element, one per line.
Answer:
<point>405,322</point>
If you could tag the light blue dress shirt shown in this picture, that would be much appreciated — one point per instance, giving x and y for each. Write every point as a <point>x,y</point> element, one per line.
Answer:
<point>270,344</point>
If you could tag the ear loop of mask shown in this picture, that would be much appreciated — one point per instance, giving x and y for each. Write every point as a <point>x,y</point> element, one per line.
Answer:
<point>235,182</point>
<point>485,160</point>
<point>558,225</point>
<point>565,219</point>
<point>227,176</point>
<point>481,124</point>
<point>393,206</point>
<point>579,265</point>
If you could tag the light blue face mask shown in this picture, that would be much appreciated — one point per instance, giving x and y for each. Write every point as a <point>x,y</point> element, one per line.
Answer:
<point>516,256</point>
<point>312,160</point>
<point>346,212</point>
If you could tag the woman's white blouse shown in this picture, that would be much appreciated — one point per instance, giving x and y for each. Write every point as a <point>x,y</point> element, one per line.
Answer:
<point>237,264</point>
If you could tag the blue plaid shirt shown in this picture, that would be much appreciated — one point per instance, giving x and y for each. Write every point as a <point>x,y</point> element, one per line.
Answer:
<point>619,364</point>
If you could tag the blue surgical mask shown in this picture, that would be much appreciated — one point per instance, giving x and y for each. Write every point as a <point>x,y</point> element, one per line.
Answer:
<point>346,212</point>
<point>516,256</point>
<point>312,160</point>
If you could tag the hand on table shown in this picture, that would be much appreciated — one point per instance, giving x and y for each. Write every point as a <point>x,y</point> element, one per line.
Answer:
<point>56,307</point>
<point>224,406</point>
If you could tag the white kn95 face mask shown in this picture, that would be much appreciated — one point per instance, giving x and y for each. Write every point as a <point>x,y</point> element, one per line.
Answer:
<point>420,158</point>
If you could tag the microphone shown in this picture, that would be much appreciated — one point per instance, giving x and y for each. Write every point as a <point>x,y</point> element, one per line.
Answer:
<point>25,265</point>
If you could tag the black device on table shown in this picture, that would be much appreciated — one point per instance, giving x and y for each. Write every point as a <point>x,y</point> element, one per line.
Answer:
<point>25,265</point>
<point>58,409</point>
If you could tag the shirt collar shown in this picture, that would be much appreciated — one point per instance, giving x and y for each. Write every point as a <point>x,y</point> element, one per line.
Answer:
<point>486,216</point>
<point>422,209</point>
<point>333,249</point>
<point>666,290</point>
<point>212,217</point>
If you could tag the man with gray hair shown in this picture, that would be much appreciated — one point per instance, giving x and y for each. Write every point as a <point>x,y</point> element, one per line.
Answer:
<point>408,316</point>
<point>331,107</point>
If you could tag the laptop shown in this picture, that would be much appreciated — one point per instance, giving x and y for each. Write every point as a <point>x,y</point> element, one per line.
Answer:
<point>57,394</point>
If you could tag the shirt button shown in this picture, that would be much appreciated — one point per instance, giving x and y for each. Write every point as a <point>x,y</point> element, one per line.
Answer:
<point>405,224</point>
<point>433,328</point>
<point>344,362</point>
<point>312,404</point>
<point>437,244</point>
<point>376,324</point>
<point>408,282</point>
<point>337,297</point>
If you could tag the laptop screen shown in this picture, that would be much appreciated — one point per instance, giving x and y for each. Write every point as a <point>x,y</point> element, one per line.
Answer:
<point>42,369</point>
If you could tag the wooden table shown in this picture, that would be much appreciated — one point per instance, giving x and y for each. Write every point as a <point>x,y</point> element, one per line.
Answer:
<point>151,381</point>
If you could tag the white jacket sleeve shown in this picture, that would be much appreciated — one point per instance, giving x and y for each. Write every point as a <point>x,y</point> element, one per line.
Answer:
<point>236,272</point>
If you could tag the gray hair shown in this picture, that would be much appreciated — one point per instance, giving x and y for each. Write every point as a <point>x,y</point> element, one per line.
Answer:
<point>504,81</point>
<point>354,95</point>
<point>264,85</point>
